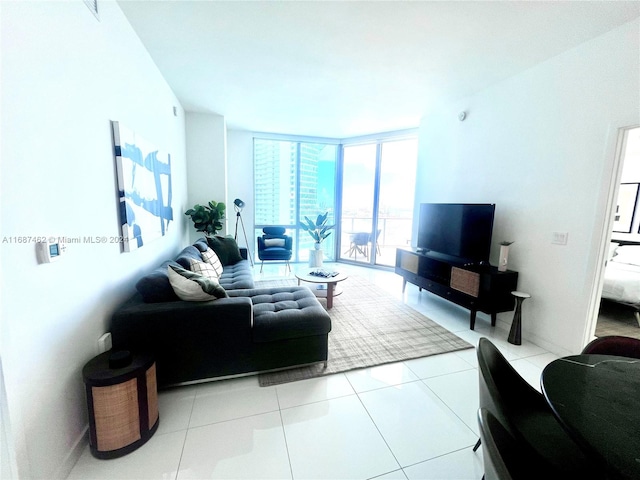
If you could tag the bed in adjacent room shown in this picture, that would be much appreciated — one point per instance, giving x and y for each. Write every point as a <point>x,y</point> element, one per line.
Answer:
<point>622,277</point>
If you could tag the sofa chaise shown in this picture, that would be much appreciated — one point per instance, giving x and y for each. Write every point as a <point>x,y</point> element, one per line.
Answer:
<point>248,330</point>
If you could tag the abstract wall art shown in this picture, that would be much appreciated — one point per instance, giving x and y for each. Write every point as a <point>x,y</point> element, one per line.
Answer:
<point>144,188</point>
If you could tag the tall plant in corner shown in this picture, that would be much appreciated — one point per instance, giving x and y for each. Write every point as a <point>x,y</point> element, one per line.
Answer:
<point>207,219</point>
<point>318,230</point>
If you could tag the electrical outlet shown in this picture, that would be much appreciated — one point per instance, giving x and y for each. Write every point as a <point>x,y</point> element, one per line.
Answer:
<point>559,238</point>
<point>104,343</point>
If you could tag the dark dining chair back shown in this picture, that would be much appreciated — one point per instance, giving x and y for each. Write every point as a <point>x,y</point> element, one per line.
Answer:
<point>614,345</point>
<point>504,457</point>
<point>525,414</point>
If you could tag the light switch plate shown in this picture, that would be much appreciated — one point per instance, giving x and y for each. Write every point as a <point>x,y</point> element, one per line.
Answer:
<point>104,343</point>
<point>559,238</point>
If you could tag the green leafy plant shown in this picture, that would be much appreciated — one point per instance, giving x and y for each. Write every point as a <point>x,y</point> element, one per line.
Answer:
<point>319,230</point>
<point>207,218</point>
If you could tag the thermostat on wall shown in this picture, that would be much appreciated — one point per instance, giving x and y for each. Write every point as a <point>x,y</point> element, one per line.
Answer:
<point>49,251</point>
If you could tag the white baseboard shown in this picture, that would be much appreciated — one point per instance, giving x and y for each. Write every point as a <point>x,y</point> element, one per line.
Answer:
<point>74,454</point>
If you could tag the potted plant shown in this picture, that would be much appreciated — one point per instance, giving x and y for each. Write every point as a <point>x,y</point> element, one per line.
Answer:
<point>318,230</point>
<point>207,218</point>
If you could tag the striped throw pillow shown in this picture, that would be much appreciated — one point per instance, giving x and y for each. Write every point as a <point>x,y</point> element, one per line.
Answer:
<point>203,268</point>
<point>212,259</point>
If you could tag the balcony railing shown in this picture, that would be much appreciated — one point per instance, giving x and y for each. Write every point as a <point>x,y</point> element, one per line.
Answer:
<point>395,232</point>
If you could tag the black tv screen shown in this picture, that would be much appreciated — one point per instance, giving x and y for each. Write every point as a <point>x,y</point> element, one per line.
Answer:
<point>460,230</point>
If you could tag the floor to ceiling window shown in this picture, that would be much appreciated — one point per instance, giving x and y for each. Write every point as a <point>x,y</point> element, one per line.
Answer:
<point>294,179</point>
<point>378,186</point>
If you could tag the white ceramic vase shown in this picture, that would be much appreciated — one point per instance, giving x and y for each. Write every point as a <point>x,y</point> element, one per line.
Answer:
<point>315,258</point>
<point>504,257</point>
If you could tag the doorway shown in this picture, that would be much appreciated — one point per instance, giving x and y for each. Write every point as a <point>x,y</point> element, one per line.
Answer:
<point>618,294</point>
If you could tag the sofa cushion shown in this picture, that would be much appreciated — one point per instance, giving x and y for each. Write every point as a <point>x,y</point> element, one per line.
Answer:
<point>155,286</point>
<point>275,253</point>
<point>274,242</point>
<point>226,248</point>
<point>237,276</point>
<point>186,255</point>
<point>281,313</point>
<point>201,244</point>
<point>193,287</point>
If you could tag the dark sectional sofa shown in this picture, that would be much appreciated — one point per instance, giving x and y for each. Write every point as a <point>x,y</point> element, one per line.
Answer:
<point>252,330</point>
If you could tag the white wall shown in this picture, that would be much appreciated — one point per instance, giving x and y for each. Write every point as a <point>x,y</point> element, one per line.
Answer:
<point>65,76</point>
<point>541,146</point>
<point>206,135</point>
<point>240,183</point>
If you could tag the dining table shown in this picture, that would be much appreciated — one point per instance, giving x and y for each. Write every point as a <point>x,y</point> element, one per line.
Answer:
<point>596,398</point>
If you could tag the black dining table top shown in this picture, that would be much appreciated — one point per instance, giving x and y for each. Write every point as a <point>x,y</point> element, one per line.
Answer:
<point>597,400</point>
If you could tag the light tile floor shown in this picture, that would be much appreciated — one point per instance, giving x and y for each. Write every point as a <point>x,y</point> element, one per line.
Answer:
<point>408,420</point>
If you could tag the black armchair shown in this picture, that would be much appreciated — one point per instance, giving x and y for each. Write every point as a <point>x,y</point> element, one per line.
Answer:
<point>274,244</point>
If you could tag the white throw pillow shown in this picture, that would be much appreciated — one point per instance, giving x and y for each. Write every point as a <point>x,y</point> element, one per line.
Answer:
<point>193,287</point>
<point>274,242</point>
<point>212,259</point>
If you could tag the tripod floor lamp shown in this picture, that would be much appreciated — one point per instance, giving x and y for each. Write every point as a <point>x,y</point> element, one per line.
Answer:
<point>238,205</point>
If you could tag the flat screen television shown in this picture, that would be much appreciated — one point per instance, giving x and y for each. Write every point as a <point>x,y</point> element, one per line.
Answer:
<point>461,230</point>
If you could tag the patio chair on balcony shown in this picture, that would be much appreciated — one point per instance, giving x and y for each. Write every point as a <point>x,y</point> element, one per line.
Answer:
<point>359,243</point>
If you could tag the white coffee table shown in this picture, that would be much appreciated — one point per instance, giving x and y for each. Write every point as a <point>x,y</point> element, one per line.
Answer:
<point>325,287</point>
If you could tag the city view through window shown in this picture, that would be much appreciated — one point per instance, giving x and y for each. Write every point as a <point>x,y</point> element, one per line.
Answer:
<point>297,179</point>
<point>294,180</point>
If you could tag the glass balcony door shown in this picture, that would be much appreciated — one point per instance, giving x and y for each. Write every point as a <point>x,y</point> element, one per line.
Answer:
<point>359,167</point>
<point>378,187</point>
<point>396,198</point>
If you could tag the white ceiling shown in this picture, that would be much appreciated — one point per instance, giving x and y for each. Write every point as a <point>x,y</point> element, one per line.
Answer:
<point>347,68</point>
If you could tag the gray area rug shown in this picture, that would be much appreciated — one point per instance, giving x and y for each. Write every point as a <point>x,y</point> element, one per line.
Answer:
<point>369,327</point>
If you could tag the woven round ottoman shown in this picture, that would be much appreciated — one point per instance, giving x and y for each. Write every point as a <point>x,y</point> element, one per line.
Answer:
<point>122,400</point>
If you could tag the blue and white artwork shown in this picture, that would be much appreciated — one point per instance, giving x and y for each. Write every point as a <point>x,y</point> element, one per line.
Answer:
<point>144,188</point>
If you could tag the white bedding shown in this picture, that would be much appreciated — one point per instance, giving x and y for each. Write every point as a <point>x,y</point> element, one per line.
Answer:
<point>622,283</point>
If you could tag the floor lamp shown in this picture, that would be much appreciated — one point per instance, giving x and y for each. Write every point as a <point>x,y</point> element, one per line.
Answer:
<point>238,205</point>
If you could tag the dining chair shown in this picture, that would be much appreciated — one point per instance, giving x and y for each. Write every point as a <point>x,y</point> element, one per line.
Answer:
<point>503,456</point>
<point>614,345</point>
<point>526,415</point>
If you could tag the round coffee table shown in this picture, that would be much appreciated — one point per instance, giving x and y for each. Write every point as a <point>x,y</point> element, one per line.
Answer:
<point>325,287</point>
